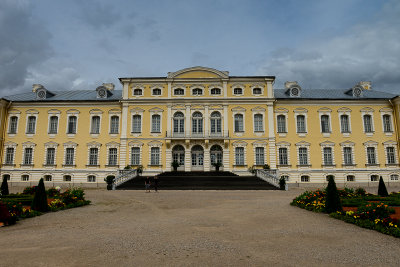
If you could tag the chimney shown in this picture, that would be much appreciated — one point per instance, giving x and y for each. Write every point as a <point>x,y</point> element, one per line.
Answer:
<point>290,84</point>
<point>109,86</point>
<point>36,86</point>
<point>365,85</point>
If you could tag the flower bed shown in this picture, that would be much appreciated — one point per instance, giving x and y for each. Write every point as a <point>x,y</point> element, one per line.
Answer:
<point>18,206</point>
<point>365,210</point>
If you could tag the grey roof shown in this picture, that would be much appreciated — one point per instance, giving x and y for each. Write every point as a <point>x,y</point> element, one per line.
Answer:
<point>332,94</point>
<point>80,95</point>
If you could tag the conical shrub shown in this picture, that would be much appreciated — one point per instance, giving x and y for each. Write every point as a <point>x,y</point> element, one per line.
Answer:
<point>382,191</point>
<point>4,187</point>
<point>332,202</point>
<point>39,202</point>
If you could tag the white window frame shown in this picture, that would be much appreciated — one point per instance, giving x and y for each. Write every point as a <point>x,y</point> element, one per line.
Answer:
<point>10,115</point>
<point>46,147</point>
<point>159,87</point>
<point>394,145</point>
<point>388,112</point>
<point>332,147</point>
<point>374,145</point>
<point>197,86</point>
<point>211,87</point>
<point>53,113</point>
<point>243,145</point>
<point>306,145</point>
<point>27,124</point>
<point>368,111</point>
<point>90,146</point>
<point>281,112</point>
<point>347,112</point>
<point>234,86</point>
<point>13,145</point>
<point>71,113</point>
<point>183,87</point>
<point>137,87</point>
<point>155,144</point>
<point>28,145</point>
<point>137,145</point>
<point>69,145</point>
<point>111,124</point>
<point>327,112</point>
<point>254,86</point>
<point>159,112</point>
<point>112,113</point>
<point>108,147</point>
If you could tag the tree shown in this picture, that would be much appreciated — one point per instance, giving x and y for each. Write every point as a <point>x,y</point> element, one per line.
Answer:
<point>282,183</point>
<point>382,191</point>
<point>332,202</point>
<point>39,202</point>
<point>4,187</point>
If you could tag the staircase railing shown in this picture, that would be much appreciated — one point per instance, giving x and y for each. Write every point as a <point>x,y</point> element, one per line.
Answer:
<point>270,176</point>
<point>124,176</point>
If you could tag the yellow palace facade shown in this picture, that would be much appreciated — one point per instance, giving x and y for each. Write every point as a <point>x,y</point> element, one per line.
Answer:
<point>199,116</point>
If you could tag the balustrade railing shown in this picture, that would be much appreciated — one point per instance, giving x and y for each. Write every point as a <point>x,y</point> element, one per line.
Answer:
<point>270,176</point>
<point>192,134</point>
<point>124,176</point>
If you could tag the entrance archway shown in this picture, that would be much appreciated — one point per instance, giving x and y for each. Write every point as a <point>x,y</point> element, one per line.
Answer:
<point>215,155</point>
<point>197,158</point>
<point>178,154</point>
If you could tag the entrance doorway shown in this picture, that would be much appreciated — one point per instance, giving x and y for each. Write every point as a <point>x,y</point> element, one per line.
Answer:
<point>215,155</point>
<point>197,158</point>
<point>178,154</point>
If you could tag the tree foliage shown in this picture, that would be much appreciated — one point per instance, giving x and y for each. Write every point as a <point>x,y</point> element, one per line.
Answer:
<point>4,187</point>
<point>382,191</point>
<point>332,196</point>
<point>39,202</point>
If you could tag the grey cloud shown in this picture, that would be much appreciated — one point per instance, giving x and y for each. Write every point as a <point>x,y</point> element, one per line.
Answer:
<point>24,43</point>
<point>97,14</point>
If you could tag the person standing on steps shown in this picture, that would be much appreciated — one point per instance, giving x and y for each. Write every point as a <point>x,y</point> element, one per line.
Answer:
<point>156,184</point>
<point>147,184</point>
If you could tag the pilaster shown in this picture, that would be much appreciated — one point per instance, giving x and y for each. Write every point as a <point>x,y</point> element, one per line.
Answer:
<point>187,122</point>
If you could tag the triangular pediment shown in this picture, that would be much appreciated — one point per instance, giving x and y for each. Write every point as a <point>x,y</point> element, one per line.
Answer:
<point>198,73</point>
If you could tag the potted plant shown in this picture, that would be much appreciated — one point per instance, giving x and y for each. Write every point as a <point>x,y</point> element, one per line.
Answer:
<point>217,165</point>
<point>252,169</point>
<point>109,180</point>
<point>266,167</point>
<point>175,164</point>
<point>139,169</point>
<point>127,167</point>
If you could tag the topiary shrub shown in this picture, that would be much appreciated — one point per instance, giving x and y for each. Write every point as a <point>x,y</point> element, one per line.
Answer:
<point>4,187</point>
<point>332,203</point>
<point>282,183</point>
<point>382,191</point>
<point>109,180</point>
<point>39,202</point>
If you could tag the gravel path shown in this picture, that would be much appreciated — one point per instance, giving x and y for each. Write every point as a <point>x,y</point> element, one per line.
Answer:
<point>196,228</point>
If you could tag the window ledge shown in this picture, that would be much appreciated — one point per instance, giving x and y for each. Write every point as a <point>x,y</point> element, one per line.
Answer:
<point>304,165</point>
<point>49,165</point>
<point>108,166</point>
<point>154,165</point>
<point>391,164</point>
<point>69,165</point>
<point>349,165</point>
<point>369,165</point>
<point>92,165</point>
<point>26,165</point>
<point>9,164</point>
<point>328,165</point>
<point>284,165</point>
<point>242,165</point>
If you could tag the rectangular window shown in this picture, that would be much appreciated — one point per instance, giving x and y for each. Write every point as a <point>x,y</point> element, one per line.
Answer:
<point>391,157</point>
<point>325,128</point>
<point>13,125</point>
<point>25,178</point>
<point>112,156</point>
<point>281,121</point>
<point>95,125</point>
<point>10,155</point>
<point>91,178</point>
<point>114,128</point>
<point>387,124</point>
<point>371,155</point>
<point>350,178</point>
<point>72,125</point>
<point>155,156</point>
<point>283,156</point>
<point>69,156</point>
<point>135,156</point>
<point>156,124</point>
<point>348,156</point>
<point>238,123</point>
<point>260,156</point>
<point>344,123</point>
<point>31,125</point>
<point>136,124</point>
<point>258,123</point>
<point>301,124</point>
<point>328,156</point>
<point>303,157</point>
<point>28,156</point>
<point>305,178</point>
<point>374,178</point>
<point>50,156</point>
<point>53,125</point>
<point>93,156</point>
<point>367,123</point>
<point>239,155</point>
<point>394,177</point>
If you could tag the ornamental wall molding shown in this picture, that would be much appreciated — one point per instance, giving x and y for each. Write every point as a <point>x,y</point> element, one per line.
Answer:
<point>114,111</point>
<point>14,111</point>
<point>54,111</point>
<point>222,74</point>
<point>281,110</point>
<point>300,110</point>
<point>347,143</point>
<point>390,142</point>
<point>238,109</point>
<point>51,144</point>
<point>93,144</point>
<point>367,109</point>
<point>303,143</point>
<point>73,111</point>
<point>96,111</point>
<point>156,86</point>
<point>135,144</point>
<point>343,110</point>
<point>28,143</point>
<point>370,143</point>
<point>259,109</point>
<point>327,143</point>
<point>32,111</point>
<point>70,144</point>
<point>112,144</point>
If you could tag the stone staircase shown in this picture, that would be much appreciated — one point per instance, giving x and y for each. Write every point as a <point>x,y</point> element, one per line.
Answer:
<point>200,181</point>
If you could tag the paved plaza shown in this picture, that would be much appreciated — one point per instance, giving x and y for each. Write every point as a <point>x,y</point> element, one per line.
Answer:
<point>192,228</point>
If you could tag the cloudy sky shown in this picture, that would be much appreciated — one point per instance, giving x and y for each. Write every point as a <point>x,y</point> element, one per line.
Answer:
<point>79,44</point>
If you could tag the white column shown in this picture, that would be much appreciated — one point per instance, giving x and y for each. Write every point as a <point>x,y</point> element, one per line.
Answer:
<point>124,131</point>
<point>187,122</point>
<point>225,160</point>
<point>270,90</point>
<point>125,90</point>
<point>188,160</point>
<point>207,161</point>
<point>206,121</point>
<point>271,136</point>
<point>225,86</point>
<point>168,159</point>
<point>169,89</point>
<point>225,120</point>
<point>169,120</point>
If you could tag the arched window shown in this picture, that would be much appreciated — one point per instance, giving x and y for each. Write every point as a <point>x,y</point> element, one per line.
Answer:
<point>157,91</point>
<point>48,178</point>
<point>25,177</point>
<point>179,91</point>
<point>114,127</point>
<point>238,91</point>
<point>178,155</point>
<point>238,123</point>
<point>215,122</point>
<point>137,92</point>
<point>257,91</point>
<point>67,178</point>
<point>91,178</point>
<point>305,178</point>
<point>136,124</point>
<point>13,125</point>
<point>325,128</point>
<point>350,178</point>
<point>215,91</point>
<point>394,177</point>
<point>197,123</point>
<point>258,123</point>
<point>197,91</point>
<point>156,123</point>
<point>179,122</point>
<point>216,154</point>
<point>95,125</point>
<point>281,123</point>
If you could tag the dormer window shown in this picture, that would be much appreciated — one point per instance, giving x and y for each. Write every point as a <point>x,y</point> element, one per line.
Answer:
<point>137,92</point>
<point>157,91</point>
<point>238,91</point>
<point>295,91</point>
<point>101,92</point>
<point>197,91</point>
<point>257,91</point>
<point>179,91</point>
<point>357,91</point>
<point>215,91</point>
<point>41,92</point>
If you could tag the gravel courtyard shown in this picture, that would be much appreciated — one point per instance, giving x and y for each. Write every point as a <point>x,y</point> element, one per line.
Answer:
<point>192,228</point>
